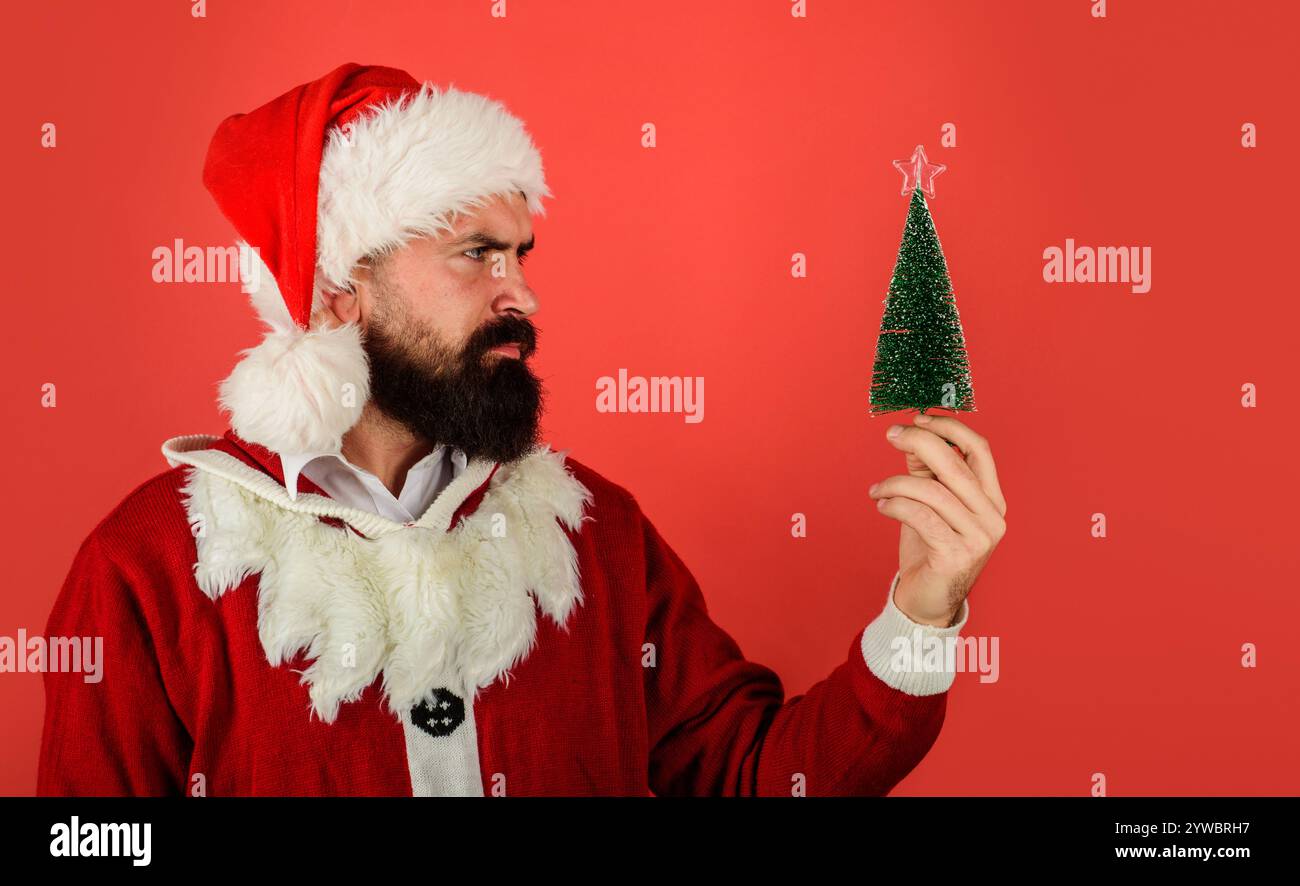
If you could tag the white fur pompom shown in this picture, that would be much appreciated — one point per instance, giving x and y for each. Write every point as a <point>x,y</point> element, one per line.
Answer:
<point>298,391</point>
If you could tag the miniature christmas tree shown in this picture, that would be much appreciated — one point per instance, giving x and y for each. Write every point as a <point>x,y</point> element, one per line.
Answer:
<point>921,351</point>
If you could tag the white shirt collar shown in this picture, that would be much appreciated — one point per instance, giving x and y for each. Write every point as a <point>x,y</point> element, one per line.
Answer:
<point>292,466</point>
<point>358,487</point>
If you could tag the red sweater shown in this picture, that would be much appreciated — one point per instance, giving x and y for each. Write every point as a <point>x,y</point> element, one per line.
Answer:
<point>624,687</point>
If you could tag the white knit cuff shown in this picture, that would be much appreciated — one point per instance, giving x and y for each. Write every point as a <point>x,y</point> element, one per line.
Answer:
<point>899,650</point>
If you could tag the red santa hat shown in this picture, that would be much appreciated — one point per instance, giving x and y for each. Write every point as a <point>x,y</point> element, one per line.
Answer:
<point>355,163</point>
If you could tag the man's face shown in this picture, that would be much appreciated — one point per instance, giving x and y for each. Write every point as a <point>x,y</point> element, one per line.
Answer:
<point>446,329</point>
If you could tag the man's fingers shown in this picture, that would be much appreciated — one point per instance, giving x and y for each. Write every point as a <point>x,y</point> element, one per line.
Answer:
<point>934,495</point>
<point>978,452</point>
<point>948,467</point>
<point>972,459</point>
<point>937,535</point>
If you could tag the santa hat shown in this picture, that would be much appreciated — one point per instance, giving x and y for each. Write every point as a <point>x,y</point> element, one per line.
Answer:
<point>355,163</point>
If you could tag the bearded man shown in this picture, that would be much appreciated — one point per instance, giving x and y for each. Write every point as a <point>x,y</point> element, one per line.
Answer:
<point>379,581</point>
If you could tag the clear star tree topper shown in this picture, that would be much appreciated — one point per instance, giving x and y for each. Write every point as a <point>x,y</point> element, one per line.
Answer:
<point>921,352</point>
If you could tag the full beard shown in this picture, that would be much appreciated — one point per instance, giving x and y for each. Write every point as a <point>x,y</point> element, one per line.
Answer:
<point>486,405</point>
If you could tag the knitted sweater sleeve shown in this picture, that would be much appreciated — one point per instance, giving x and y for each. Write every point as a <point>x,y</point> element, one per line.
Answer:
<point>117,735</point>
<point>720,725</point>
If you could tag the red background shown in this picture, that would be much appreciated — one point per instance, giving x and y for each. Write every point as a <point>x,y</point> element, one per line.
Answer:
<point>775,135</point>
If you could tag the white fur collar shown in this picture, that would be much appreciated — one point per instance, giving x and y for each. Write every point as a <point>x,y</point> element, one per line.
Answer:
<point>425,607</point>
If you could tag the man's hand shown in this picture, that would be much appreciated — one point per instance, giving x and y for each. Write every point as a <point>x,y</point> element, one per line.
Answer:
<point>953,515</point>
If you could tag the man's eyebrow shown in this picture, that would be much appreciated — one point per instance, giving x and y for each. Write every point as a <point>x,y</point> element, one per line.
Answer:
<point>486,240</point>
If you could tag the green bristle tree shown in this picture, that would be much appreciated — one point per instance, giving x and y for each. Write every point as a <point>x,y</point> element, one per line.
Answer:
<point>921,361</point>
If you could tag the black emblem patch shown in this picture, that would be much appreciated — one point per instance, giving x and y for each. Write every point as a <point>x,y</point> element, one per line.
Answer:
<point>442,716</point>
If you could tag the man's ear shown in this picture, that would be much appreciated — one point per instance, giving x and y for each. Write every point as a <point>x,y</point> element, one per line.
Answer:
<point>343,306</point>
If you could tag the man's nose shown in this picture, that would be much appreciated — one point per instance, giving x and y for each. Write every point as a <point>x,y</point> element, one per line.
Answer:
<point>515,293</point>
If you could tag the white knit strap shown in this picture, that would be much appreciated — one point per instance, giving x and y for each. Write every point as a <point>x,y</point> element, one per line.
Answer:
<point>195,450</point>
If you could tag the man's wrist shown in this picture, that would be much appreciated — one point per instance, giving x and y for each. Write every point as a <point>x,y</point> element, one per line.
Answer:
<point>943,621</point>
<point>893,629</point>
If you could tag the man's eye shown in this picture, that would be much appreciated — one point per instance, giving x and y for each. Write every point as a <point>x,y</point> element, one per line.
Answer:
<point>523,256</point>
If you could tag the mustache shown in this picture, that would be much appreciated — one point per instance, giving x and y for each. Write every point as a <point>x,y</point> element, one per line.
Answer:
<point>509,330</point>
